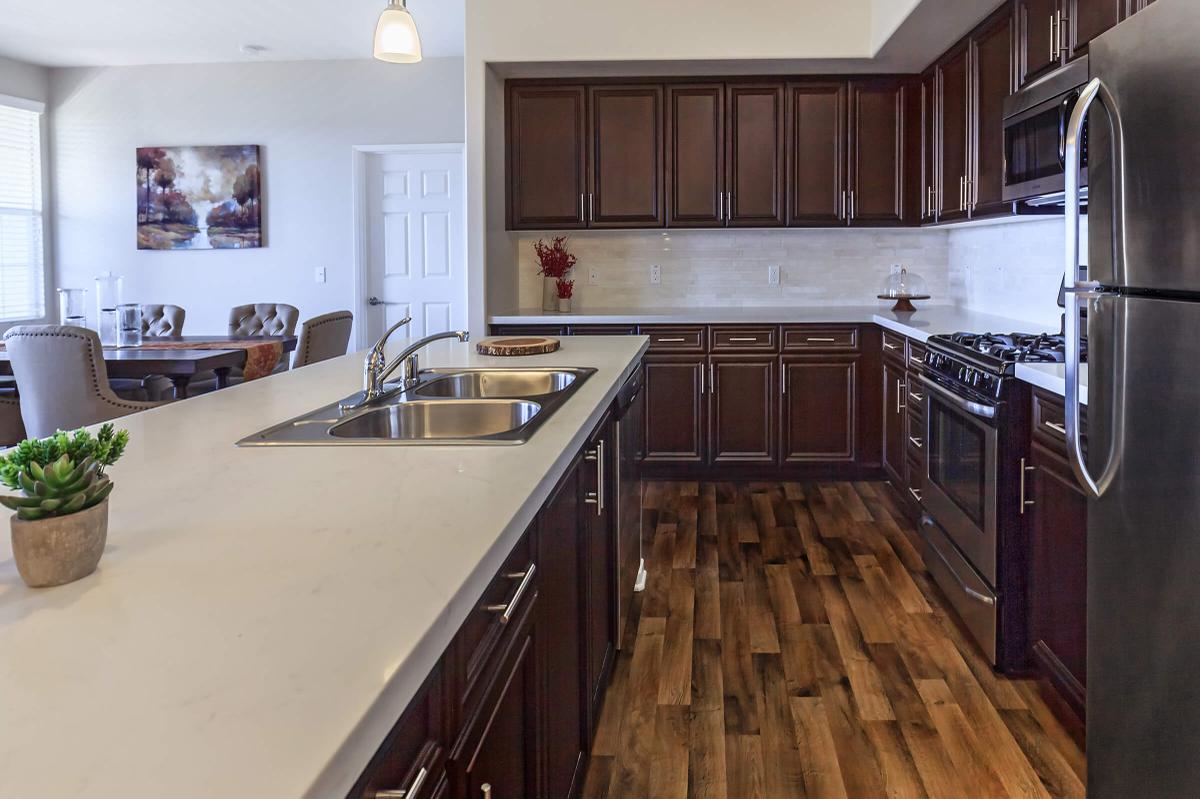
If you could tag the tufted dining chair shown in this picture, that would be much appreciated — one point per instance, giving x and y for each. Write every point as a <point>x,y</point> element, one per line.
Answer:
<point>323,337</point>
<point>62,379</point>
<point>264,319</point>
<point>162,320</point>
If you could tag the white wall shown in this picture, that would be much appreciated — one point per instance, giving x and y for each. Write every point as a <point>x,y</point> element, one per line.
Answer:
<point>18,79</point>
<point>305,115</point>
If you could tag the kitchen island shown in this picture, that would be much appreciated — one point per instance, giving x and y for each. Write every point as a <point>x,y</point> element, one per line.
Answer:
<point>262,616</point>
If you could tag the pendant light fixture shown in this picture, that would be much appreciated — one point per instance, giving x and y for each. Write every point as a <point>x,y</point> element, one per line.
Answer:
<point>396,37</point>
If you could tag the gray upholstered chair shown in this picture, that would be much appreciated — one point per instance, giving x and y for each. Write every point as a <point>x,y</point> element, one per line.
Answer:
<point>62,379</point>
<point>323,337</point>
<point>12,428</point>
<point>162,320</point>
<point>264,319</point>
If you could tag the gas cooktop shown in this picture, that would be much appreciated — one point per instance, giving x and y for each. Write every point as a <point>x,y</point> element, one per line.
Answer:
<point>1000,351</point>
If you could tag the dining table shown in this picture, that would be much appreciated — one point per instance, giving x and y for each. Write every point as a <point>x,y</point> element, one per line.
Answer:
<point>179,358</point>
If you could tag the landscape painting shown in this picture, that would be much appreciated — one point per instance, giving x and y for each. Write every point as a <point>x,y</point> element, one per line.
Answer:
<point>199,198</point>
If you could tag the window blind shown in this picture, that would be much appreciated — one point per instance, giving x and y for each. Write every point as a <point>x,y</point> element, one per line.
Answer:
<point>22,286</point>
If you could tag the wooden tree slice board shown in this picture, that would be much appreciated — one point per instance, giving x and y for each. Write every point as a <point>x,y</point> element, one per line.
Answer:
<point>517,345</point>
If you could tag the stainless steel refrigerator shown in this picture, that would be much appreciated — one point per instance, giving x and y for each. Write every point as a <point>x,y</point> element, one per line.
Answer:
<point>1139,457</point>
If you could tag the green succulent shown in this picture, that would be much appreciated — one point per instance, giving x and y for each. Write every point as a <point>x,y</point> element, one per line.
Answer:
<point>62,488</point>
<point>62,474</point>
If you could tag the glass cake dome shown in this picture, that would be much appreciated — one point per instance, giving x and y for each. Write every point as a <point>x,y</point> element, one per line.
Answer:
<point>904,287</point>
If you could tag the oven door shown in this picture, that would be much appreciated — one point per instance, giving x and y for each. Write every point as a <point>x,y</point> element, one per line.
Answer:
<point>960,478</point>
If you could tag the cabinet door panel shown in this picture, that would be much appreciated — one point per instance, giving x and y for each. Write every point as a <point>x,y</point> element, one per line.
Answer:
<point>895,420</point>
<point>1038,52</point>
<point>817,153</point>
<point>992,70</point>
<point>929,146</point>
<point>676,417</point>
<point>877,128</point>
<point>502,757</point>
<point>953,130</point>
<point>547,174</point>
<point>820,408</point>
<point>1088,19</point>
<point>743,409</point>
<point>696,155</point>
<point>755,155</point>
<point>626,156</point>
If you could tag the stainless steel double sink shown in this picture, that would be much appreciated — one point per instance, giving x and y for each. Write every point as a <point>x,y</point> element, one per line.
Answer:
<point>446,406</point>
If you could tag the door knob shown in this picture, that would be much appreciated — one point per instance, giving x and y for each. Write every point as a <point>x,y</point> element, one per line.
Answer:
<point>377,301</point>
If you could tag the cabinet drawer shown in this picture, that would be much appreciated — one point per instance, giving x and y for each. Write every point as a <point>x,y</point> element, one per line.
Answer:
<point>1050,423</point>
<point>808,338</point>
<point>916,354</point>
<point>894,346</point>
<point>745,339</point>
<point>677,339</point>
<point>411,758</point>
<point>528,330</point>
<point>603,330</point>
<point>490,622</point>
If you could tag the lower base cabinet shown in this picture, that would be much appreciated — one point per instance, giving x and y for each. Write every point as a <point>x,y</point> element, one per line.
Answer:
<point>820,396</point>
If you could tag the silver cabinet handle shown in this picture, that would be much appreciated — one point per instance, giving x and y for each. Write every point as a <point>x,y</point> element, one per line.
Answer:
<point>407,793</point>
<point>752,339</point>
<point>783,380</point>
<point>600,477</point>
<point>591,208</point>
<point>1025,470</point>
<point>916,442</point>
<point>1064,35</point>
<point>853,209</point>
<point>916,493</point>
<point>915,397</point>
<point>900,391</point>
<point>842,214</point>
<point>887,346</point>
<point>670,340</point>
<point>487,790</point>
<point>814,339</point>
<point>1058,428</point>
<point>728,206</point>
<point>1054,36</point>
<point>506,611</point>
<point>702,378</point>
<point>914,359</point>
<point>968,590</point>
<point>582,208</point>
<point>712,377</point>
<point>930,201</point>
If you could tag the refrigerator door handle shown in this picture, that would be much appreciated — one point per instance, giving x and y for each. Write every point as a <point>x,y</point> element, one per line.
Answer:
<point>1095,486</point>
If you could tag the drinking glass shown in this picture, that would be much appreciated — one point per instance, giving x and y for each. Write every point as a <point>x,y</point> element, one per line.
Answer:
<point>129,319</point>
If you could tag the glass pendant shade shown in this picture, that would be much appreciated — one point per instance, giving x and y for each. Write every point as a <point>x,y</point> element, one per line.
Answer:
<point>396,37</point>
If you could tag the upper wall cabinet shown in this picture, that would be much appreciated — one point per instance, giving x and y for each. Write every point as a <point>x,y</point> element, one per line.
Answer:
<point>1087,19</point>
<point>882,192</point>
<point>625,156</point>
<point>547,168</point>
<point>954,131</point>
<point>993,76</point>
<point>819,115</point>
<point>1052,32</point>
<point>755,193</point>
<point>929,146</point>
<point>696,155</point>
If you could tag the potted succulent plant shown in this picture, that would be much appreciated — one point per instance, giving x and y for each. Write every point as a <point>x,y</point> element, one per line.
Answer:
<point>61,521</point>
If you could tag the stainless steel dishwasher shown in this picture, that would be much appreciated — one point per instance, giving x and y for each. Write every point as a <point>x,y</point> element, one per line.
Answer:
<point>630,433</point>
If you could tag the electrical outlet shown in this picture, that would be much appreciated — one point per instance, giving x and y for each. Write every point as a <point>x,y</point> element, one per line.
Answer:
<point>319,274</point>
<point>655,275</point>
<point>593,277</point>
<point>772,275</point>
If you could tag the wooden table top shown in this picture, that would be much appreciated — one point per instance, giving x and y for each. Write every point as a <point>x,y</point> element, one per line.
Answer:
<point>136,363</point>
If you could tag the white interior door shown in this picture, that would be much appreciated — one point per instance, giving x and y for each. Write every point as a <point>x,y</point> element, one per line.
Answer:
<point>416,259</point>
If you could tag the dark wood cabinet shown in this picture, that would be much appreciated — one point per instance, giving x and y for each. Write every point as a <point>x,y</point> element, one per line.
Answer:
<point>1087,19</point>
<point>1039,41</point>
<point>820,407</point>
<point>993,77</point>
<point>625,157</point>
<point>755,193</point>
<point>676,408</point>
<point>895,420</point>
<point>880,112</point>
<point>696,155</point>
<point>954,129</point>
<point>412,754</point>
<point>743,396</point>
<point>599,566</point>
<point>547,170</point>
<point>817,137</point>
<point>929,146</point>
<point>561,635</point>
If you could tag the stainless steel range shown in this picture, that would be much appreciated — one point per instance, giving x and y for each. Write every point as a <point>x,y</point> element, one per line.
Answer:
<point>976,423</point>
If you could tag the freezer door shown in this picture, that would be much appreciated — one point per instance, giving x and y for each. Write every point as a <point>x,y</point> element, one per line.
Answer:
<point>1150,68</point>
<point>1143,643</point>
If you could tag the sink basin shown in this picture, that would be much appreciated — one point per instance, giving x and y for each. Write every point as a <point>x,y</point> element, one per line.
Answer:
<point>433,421</point>
<point>497,383</point>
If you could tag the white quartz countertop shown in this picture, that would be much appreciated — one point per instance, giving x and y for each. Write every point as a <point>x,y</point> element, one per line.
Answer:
<point>926,321</point>
<point>262,616</point>
<point>1053,378</point>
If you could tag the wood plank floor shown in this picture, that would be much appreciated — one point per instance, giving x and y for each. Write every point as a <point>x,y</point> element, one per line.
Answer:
<point>789,644</point>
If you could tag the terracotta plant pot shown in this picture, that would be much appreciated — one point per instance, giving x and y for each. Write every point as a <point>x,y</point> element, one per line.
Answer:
<point>61,549</point>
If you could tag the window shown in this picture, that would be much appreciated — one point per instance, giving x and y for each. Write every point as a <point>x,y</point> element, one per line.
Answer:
<point>22,282</point>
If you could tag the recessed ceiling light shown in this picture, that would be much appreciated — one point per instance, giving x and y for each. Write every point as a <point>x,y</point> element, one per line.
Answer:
<point>253,49</point>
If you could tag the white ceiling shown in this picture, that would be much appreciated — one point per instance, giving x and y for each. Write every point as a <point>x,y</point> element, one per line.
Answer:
<point>134,32</point>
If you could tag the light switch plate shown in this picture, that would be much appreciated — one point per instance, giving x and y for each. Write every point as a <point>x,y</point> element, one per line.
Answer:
<point>319,274</point>
<point>593,276</point>
<point>655,275</point>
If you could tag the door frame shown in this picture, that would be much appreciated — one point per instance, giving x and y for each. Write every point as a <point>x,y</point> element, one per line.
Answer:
<point>360,205</point>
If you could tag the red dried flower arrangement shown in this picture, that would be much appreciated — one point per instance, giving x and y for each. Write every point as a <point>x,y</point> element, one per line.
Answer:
<point>553,259</point>
<point>564,288</point>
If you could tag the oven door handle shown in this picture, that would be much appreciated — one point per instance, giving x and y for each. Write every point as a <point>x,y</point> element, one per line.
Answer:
<point>973,408</point>
<point>926,521</point>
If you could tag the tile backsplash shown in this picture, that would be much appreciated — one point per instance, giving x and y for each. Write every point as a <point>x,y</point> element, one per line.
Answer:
<point>1006,269</point>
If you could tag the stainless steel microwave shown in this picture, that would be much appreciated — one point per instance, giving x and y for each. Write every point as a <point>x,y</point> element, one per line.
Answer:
<point>1035,125</point>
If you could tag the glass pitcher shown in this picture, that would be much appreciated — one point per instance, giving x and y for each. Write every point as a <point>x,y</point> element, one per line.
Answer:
<point>129,325</point>
<point>70,307</point>
<point>108,297</point>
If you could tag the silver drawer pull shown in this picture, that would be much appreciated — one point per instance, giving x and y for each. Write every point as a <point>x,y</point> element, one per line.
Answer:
<point>506,611</point>
<point>887,346</point>
<point>916,442</point>
<point>670,340</point>
<point>1058,428</point>
<point>408,793</point>
<point>916,492</point>
<point>916,397</point>
<point>821,340</point>
<point>486,788</point>
<point>749,339</point>
<point>916,360</point>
